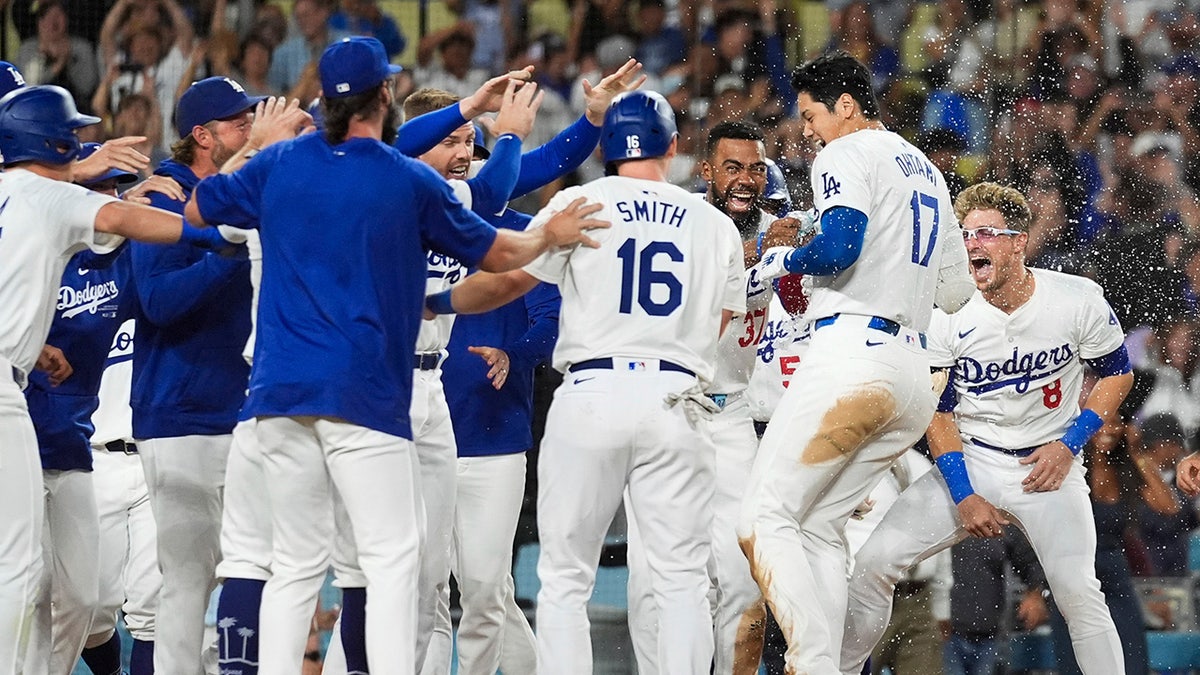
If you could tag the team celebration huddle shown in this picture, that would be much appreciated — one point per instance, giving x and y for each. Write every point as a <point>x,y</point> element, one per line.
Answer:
<point>243,371</point>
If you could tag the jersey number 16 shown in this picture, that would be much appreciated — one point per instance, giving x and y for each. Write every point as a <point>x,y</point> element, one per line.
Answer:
<point>637,269</point>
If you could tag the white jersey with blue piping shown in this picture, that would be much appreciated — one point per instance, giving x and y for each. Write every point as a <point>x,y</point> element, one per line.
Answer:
<point>1018,376</point>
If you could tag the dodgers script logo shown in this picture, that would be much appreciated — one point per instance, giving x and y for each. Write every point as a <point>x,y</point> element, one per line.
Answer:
<point>775,334</point>
<point>444,267</point>
<point>1018,371</point>
<point>75,301</point>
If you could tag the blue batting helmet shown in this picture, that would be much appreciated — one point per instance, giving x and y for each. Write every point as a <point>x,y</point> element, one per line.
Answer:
<point>637,125</point>
<point>38,124</point>
<point>776,193</point>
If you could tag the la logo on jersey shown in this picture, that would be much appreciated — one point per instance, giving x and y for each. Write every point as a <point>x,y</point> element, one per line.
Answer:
<point>830,185</point>
<point>633,146</point>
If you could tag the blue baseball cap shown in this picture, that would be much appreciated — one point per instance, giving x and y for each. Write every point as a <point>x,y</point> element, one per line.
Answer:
<point>481,150</point>
<point>122,177</point>
<point>354,65</point>
<point>10,78</point>
<point>213,98</point>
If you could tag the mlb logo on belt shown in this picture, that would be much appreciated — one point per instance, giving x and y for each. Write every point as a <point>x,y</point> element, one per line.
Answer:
<point>910,339</point>
<point>637,365</point>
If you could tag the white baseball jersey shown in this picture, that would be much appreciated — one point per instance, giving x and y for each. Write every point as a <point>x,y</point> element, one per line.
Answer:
<point>627,298</point>
<point>781,345</point>
<point>1018,376</point>
<point>43,222</point>
<point>737,348</point>
<point>113,420</point>
<point>443,272</point>
<point>911,229</point>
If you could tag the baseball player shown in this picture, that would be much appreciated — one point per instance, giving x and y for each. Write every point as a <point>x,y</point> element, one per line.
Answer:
<point>861,396</point>
<point>129,579</point>
<point>44,220</point>
<point>94,298</point>
<point>433,432</point>
<point>246,520</point>
<point>639,326</point>
<point>1008,432</point>
<point>735,168</point>
<point>335,414</point>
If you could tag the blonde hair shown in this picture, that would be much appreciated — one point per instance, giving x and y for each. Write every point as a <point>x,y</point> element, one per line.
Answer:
<point>427,100</point>
<point>1008,201</point>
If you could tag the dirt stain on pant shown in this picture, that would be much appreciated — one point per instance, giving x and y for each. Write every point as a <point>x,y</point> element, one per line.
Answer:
<point>748,643</point>
<point>852,419</point>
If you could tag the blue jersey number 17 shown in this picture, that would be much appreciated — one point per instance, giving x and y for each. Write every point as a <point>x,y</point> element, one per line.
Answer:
<point>637,270</point>
<point>920,201</point>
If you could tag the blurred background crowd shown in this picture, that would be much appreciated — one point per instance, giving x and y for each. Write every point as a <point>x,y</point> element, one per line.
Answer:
<point>1090,107</point>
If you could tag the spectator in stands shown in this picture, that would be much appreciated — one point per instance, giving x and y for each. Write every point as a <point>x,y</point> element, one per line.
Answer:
<point>591,22</point>
<point>313,34</point>
<point>54,56</point>
<point>979,599</point>
<point>1174,381</point>
<point>253,67</point>
<point>451,70</point>
<point>364,17</point>
<point>859,38</point>
<point>494,26</point>
<point>1165,529</point>
<point>943,147</point>
<point>660,46</point>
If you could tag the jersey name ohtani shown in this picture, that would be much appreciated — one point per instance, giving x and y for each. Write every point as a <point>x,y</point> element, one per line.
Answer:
<point>912,165</point>
<point>980,377</point>
<point>652,211</point>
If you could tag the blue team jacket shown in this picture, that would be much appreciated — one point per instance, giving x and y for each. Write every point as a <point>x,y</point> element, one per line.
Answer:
<point>189,377</point>
<point>487,421</point>
<point>95,297</point>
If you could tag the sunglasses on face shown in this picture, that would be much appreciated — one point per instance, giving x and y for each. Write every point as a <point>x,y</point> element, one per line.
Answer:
<point>987,233</point>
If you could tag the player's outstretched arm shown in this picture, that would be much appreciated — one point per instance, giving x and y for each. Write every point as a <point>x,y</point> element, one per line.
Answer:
<point>275,119</point>
<point>156,226</point>
<point>566,228</point>
<point>978,516</point>
<point>481,292</point>
<point>1052,461</point>
<point>418,135</point>
<point>1187,474</point>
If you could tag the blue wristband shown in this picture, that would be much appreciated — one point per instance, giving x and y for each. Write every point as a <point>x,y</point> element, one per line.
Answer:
<point>954,470</point>
<point>761,236</point>
<point>439,303</point>
<point>1082,429</point>
<point>203,237</point>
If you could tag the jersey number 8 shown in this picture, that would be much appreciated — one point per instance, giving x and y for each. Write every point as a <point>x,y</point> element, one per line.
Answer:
<point>637,269</point>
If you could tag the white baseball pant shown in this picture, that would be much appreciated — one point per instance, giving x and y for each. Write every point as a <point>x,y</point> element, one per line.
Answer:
<point>608,430</point>
<point>858,400</point>
<point>246,519</point>
<point>739,613</point>
<point>924,521</point>
<point>376,479</point>
<point>21,529</point>
<point>185,476</point>
<point>129,576</point>
<point>70,587</point>
<point>493,632</point>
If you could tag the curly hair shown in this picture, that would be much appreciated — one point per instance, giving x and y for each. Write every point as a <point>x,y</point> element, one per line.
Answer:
<point>1008,201</point>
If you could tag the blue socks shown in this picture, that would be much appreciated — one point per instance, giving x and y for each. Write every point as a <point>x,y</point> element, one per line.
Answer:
<point>354,629</point>
<point>141,659</point>
<point>237,626</point>
<point>105,659</point>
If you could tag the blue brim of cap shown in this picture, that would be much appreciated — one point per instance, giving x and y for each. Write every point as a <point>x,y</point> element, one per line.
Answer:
<point>122,178</point>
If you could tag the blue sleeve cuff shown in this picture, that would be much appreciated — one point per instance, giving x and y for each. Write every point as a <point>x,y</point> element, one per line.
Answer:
<point>439,303</point>
<point>1115,362</point>
<point>836,248</point>
<point>954,470</point>
<point>1082,429</point>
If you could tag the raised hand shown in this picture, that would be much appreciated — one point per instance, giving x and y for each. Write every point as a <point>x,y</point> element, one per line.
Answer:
<point>161,184</point>
<point>518,110</point>
<point>627,78</point>
<point>568,226</point>
<point>118,153</point>
<point>490,95</point>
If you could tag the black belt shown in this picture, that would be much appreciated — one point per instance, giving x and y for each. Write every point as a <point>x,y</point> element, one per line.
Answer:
<point>907,589</point>
<point>607,364</point>
<point>427,361</point>
<point>876,323</point>
<point>1015,452</point>
<point>121,446</point>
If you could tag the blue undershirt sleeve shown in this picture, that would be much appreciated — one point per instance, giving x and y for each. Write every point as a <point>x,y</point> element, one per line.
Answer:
<point>836,248</point>
<point>537,343</point>
<point>558,157</point>
<point>418,135</point>
<point>1115,362</point>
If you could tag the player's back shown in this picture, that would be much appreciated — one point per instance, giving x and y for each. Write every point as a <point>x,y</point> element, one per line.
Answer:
<point>910,219</point>
<point>657,284</point>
